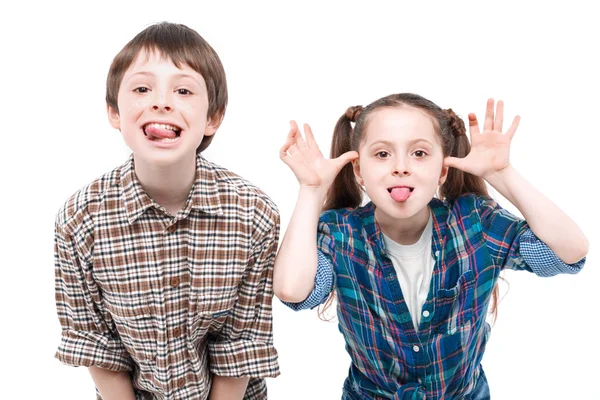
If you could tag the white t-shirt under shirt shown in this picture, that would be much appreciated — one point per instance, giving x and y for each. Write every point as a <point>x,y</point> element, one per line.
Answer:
<point>414,267</point>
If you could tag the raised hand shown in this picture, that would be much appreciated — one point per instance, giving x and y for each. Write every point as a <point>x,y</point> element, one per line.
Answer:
<point>490,149</point>
<point>307,162</point>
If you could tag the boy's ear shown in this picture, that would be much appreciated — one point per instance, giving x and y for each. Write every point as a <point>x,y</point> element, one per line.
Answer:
<point>443,175</point>
<point>356,169</point>
<point>113,117</point>
<point>213,124</point>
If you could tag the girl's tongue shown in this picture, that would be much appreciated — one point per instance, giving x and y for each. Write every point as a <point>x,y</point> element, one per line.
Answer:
<point>159,133</point>
<point>400,194</point>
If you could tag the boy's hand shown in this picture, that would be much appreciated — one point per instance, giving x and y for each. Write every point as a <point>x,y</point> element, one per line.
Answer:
<point>490,150</point>
<point>306,161</point>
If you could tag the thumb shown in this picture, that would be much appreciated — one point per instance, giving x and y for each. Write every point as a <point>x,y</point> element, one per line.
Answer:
<point>453,162</point>
<point>346,158</point>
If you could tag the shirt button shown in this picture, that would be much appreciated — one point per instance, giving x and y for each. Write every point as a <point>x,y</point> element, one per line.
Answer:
<point>172,228</point>
<point>181,382</point>
<point>175,281</point>
<point>176,332</point>
<point>426,313</point>
<point>416,348</point>
<point>419,381</point>
<point>437,253</point>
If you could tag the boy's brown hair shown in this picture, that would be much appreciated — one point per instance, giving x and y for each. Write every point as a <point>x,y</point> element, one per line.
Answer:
<point>181,45</point>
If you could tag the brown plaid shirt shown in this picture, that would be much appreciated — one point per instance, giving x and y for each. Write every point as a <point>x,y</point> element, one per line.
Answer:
<point>171,299</point>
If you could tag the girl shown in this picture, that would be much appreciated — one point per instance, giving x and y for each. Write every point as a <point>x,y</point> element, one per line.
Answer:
<point>414,274</point>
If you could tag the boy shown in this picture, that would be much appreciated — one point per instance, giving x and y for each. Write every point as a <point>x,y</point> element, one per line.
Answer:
<point>164,265</point>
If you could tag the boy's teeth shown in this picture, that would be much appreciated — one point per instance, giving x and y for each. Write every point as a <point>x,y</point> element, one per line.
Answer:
<point>163,126</point>
<point>165,140</point>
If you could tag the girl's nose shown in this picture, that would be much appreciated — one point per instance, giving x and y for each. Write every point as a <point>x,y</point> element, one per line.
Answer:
<point>400,168</point>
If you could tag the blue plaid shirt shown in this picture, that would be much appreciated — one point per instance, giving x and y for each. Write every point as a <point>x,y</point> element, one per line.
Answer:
<point>474,239</point>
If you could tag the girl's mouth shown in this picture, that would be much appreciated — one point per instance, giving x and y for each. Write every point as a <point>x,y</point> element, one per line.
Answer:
<point>400,193</point>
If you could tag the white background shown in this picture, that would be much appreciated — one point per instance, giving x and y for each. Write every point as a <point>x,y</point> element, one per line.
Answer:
<point>306,61</point>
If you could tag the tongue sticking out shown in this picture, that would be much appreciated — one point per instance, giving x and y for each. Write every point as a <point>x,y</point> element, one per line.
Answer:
<point>158,133</point>
<point>400,194</point>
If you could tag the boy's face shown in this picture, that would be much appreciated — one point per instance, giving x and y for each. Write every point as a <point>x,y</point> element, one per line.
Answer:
<point>162,110</point>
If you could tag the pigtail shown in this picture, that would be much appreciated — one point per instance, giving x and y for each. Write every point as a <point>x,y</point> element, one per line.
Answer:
<point>344,191</point>
<point>458,182</point>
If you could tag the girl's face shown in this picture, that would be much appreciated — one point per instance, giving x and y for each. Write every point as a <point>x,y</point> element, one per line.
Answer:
<point>400,162</point>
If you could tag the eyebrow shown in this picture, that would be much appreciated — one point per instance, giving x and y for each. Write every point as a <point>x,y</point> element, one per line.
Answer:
<point>177,76</point>
<point>411,142</point>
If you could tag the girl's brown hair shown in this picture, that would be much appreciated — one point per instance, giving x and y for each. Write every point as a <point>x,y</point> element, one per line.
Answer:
<point>345,190</point>
<point>181,45</point>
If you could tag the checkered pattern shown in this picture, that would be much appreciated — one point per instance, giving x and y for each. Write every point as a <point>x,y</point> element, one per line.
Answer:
<point>473,240</point>
<point>171,299</point>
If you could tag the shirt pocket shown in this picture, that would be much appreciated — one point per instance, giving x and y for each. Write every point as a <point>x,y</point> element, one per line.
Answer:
<point>136,325</point>
<point>454,306</point>
<point>208,324</point>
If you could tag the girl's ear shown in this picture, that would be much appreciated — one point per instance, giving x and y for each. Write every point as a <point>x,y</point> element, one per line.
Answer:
<point>356,169</point>
<point>443,175</point>
<point>113,117</point>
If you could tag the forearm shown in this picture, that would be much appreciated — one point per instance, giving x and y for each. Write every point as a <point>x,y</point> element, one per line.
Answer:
<point>227,388</point>
<point>546,220</point>
<point>112,385</point>
<point>296,262</point>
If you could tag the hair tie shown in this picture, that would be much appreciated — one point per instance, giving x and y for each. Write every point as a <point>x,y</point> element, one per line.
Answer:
<point>456,123</point>
<point>352,113</point>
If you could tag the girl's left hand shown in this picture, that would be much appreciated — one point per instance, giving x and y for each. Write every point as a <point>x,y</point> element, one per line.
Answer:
<point>490,149</point>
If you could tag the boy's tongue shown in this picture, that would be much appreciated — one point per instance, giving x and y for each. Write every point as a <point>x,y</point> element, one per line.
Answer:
<point>400,194</point>
<point>159,133</point>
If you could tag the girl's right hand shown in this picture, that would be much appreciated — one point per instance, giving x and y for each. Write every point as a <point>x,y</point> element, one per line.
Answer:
<point>307,162</point>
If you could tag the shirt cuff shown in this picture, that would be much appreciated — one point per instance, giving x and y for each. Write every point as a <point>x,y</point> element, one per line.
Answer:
<point>88,349</point>
<point>541,258</point>
<point>238,358</point>
<point>323,286</point>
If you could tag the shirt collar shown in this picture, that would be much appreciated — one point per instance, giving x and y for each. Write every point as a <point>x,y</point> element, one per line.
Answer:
<point>204,195</point>
<point>439,209</point>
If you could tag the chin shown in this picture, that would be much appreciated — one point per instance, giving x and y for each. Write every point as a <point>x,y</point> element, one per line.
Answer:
<point>160,159</point>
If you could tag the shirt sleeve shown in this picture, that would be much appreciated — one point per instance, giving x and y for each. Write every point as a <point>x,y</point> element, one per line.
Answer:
<point>323,286</point>
<point>86,339</point>
<point>324,277</point>
<point>513,245</point>
<point>244,346</point>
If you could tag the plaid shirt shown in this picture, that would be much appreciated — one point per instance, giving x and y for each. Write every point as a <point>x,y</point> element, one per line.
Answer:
<point>473,240</point>
<point>171,299</point>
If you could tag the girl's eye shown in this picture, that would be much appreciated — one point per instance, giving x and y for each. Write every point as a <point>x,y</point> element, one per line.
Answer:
<point>382,154</point>
<point>420,153</point>
<point>183,91</point>
<point>141,89</point>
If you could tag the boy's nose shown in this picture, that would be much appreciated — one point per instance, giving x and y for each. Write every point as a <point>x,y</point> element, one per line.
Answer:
<point>157,107</point>
<point>161,102</point>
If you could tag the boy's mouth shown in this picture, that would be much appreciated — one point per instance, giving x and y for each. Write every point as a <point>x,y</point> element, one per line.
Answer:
<point>161,132</point>
<point>400,193</point>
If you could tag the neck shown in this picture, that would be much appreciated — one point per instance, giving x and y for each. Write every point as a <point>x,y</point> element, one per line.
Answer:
<point>405,231</point>
<point>169,185</point>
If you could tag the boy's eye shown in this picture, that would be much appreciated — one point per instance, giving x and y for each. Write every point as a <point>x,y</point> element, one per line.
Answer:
<point>382,154</point>
<point>141,89</point>
<point>420,153</point>
<point>183,91</point>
